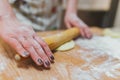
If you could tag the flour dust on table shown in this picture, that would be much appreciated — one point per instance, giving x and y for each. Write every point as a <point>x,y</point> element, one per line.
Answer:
<point>102,56</point>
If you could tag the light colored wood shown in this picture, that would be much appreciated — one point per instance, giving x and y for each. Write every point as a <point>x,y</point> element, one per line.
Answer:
<point>92,5</point>
<point>68,65</point>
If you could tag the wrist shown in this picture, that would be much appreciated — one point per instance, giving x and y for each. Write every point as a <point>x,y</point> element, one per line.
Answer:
<point>72,6</point>
<point>68,13</point>
<point>71,11</point>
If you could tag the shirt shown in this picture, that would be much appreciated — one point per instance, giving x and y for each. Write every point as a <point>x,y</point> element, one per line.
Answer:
<point>40,14</point>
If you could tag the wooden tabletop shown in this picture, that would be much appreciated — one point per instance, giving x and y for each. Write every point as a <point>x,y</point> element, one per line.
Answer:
<point>68,65</point>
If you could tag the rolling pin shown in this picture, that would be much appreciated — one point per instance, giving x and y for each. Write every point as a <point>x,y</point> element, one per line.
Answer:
<point>57,40</point>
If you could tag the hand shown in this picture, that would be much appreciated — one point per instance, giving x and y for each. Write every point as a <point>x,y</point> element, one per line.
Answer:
<point>25,41</point>
<point>72,20</point>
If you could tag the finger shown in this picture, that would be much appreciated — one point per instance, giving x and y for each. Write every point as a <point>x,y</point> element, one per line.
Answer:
<point>41,53</point>
<point>68,25</point>
<point>35,56</point>
<point>82,32</point>
<point>17,46</point>
<point>27,45</point>
<point>77,24</point>
<point>88,33</point>
<point>45,47</point>
<point>86,30</point>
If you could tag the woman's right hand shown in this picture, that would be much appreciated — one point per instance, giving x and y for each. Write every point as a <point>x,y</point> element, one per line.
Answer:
<point>25,41</point>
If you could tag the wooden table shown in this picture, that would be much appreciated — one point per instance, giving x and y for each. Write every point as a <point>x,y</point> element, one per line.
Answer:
<point>68,65</point>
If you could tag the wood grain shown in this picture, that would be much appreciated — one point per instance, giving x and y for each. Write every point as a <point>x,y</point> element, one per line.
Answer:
<point>68,65</point>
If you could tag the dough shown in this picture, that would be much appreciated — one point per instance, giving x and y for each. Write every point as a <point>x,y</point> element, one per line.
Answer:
<point>109,32</point>
<point>67,46</point>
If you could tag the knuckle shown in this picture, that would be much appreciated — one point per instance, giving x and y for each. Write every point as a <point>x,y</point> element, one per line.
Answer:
<point>44,44</point>
<point>39,38</point>
<point>36,46</point>
<point>27,45</point>
<point>34,35</point>
<point>19,48</point>
<point>43,56</point>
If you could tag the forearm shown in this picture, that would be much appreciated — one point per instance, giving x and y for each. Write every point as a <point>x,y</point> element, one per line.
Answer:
<point>5,9</point>
<point>72,6</point>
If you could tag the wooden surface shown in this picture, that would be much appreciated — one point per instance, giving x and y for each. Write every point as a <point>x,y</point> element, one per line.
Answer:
<point>69,65</point>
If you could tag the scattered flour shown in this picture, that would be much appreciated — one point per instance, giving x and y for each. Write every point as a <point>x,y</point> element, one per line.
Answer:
<point>53,78</point>
<point>96,47</point>
<point>3,63</point>
<point>102,44</point>
<point>18,78</point>
<point>2,66</point>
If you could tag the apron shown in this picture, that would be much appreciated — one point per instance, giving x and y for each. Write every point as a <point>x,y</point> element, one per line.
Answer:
<point>40,14</point>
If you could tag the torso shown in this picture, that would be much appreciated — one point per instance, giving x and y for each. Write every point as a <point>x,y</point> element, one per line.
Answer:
<point>41,14</point>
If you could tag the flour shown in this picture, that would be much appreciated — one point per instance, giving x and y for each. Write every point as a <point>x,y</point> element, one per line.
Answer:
<point>92,50</point>
<point>110,71</point>
<point>53,78</point>
<point>2,66</point>
<point>18,78</point>
<point>95,72</point>
<point>3,63</point>
<point>78,74</point>
<point>99,44</point>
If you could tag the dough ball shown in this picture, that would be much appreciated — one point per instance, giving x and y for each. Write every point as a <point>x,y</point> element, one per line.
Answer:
<point>67,46</point>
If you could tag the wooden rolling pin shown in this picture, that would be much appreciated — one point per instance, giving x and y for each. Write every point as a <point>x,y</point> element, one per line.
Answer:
<point>56,40</point>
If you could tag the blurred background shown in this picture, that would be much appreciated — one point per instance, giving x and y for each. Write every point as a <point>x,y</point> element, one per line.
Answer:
<point>101,13</point>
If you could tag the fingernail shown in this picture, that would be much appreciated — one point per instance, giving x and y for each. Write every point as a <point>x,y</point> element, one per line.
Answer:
<point>47,63</point>
<point>52,57</point>
<point>40,61</point>
<point>25,54</point>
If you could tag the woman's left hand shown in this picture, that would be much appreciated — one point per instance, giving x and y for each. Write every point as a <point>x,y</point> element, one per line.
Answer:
<point>72,20</point>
